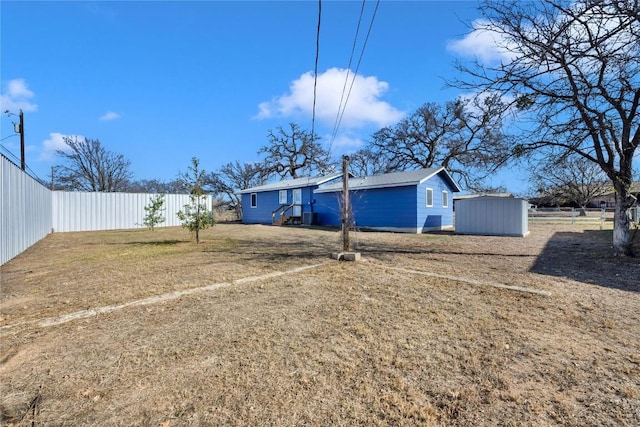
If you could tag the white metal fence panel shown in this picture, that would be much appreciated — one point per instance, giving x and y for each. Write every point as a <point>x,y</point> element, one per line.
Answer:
<point>25,210</point>
<point>29,211</point>
<point>83,211</point>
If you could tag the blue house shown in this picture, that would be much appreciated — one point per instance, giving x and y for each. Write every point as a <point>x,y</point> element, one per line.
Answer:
<point>410,202</point>
<point>284,202</point>
<point>413,202</point>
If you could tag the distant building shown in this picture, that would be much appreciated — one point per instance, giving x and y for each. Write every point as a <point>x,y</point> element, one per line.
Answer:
<point>609,200</point>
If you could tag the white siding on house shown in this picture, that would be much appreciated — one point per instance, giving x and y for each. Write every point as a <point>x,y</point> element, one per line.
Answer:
<point>25,210</point>
<point>494,216</point>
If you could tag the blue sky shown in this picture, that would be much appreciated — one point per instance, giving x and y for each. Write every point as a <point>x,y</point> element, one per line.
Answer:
<point>162,82</point>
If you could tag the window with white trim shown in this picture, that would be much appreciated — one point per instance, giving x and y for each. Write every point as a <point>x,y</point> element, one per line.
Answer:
<point>445,199</point>
<point>254,200</point>
<point>429,197</point>
<point>282,197</point>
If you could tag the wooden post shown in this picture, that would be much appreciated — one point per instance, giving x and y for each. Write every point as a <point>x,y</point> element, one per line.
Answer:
<point>23,163</point>
<point>346,246</point>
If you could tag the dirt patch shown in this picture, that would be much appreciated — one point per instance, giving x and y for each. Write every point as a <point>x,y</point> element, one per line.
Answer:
<point>365,343</point>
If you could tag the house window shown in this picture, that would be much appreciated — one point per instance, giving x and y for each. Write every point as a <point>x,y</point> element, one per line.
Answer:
<point>445,199</point>
<point>254,200</point>
<point>282,197</point>
<point>429,197</point>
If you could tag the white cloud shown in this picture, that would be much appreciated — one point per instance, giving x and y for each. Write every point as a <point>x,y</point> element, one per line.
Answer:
<point>364,106</point>
<point>16,96</point>
<point>344,143</point>
<point>482,43</point>
<point>109,115</point>
<point>55,143</point>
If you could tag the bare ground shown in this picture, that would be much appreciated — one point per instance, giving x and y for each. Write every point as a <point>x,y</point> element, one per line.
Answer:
<point>368,343</point>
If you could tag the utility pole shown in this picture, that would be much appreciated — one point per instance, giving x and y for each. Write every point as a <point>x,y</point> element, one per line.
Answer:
<point>23,164</point>
<point>346,245</point>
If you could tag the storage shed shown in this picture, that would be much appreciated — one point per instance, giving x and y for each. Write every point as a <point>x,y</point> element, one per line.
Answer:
<point>492,216</point>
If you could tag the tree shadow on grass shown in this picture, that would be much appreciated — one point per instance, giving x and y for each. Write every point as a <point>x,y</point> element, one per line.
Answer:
<point>588,257</point>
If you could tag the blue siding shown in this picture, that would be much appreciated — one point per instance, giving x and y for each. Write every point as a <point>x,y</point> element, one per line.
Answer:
<point>377,207</point>
<point>436,217</point>
<point>267,202</point>
<point>327,207</point>
<point>401,208</point>
<point>385,207</point>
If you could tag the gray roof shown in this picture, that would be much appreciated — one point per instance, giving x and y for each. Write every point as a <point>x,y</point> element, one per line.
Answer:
<point>292,183</point>
<point>395,179</point>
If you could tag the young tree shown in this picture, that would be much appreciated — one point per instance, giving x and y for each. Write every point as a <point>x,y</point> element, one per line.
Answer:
<point>464,136</point>
<point>196,215</point>
<point>291,152</point>
<point>154,211</point>
<point>90,167</point>
<point>572,71</point>
<point>234,177</point>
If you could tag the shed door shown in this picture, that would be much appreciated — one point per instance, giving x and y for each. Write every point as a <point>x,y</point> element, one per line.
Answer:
<point>297,202</point>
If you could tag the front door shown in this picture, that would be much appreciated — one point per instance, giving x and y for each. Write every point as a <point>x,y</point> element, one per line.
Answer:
<point>297,202</point>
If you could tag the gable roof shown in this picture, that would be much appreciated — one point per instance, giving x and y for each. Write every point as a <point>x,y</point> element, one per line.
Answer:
<point>292,183</point>
<point>395,179</point>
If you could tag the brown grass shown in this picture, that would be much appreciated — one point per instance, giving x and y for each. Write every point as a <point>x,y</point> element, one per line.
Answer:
<point>366,343</point>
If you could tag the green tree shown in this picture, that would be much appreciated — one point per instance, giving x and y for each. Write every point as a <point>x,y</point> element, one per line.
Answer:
<point>154,211</point>
<point>196,215</point>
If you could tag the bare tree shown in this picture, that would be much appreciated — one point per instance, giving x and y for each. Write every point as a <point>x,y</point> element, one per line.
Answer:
<point>573,74</point>
<point>155,186</point>
<point>574,180</point>
<point>90,167</point>
<point>234,177</point>
<point>464,136</point>
<point>366,162</point>
<point>294,151</point>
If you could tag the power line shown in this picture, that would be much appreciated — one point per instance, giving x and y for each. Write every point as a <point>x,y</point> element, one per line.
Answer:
<point>364,45</point>
<point>346,78</point>
<point>17,162</point>
<point>315,80</point>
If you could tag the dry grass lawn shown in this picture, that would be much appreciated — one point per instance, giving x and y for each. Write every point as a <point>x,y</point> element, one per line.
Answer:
<point>162,332</point>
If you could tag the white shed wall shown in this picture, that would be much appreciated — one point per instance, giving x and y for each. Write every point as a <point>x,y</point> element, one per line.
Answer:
<point>25,210</point>
<point>494,216</point>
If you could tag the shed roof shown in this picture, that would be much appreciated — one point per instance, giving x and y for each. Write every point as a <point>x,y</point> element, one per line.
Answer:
<point>292,183</point>
<point>395,179</point>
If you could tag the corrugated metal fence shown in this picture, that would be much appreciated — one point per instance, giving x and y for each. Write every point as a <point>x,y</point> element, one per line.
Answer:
<point>25,210</point>
<point>29,211</point>
<point>80,211</point>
